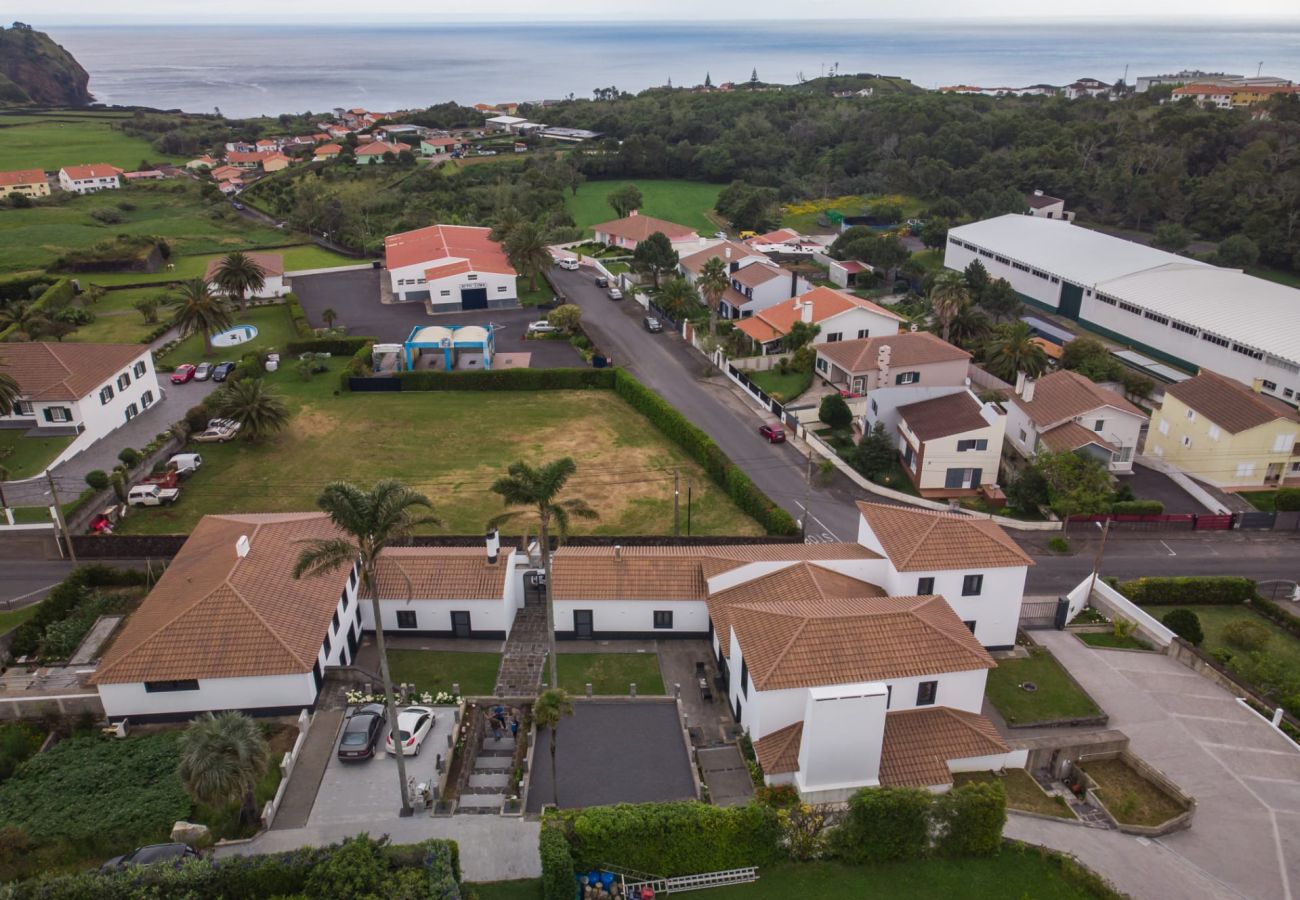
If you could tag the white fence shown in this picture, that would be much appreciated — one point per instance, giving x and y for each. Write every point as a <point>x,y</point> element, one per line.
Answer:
<point>286,770</point>
<point>39,706</point>
<point>329,269</point>
<point>1112,604</point>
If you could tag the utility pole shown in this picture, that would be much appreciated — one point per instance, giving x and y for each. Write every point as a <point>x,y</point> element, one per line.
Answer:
<point>677,495</point>
<point>688,507</point>
<point>1096,562</point>
<point>58,517</point>
<point>807,496</point>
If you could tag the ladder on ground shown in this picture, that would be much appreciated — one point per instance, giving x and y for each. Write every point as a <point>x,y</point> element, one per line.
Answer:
<point>631,880</point>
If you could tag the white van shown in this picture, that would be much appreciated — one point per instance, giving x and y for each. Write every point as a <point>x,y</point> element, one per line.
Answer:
<point>185,464</point>
<point>569,263</point>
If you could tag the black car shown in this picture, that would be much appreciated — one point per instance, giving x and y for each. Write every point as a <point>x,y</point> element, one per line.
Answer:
<point>652,325</point>
<point>175,853</point>
<point>222,371</point>
<point>602,281</point>
<point>361,731</point>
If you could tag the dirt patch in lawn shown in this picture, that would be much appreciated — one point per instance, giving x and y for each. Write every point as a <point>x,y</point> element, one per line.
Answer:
<point>1130,798</point>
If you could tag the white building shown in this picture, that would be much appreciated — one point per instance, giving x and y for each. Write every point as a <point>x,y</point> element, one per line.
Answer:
<point>91,178</point>
<point>449,268</point>
<point>506,123</point>
<point>634,228</point>
<point>1045,206</point>
<point>1065,411</point>
<point>757,283</point>
<point>840,316</point>
<point>951,445</point>
<point>272,266</point>
<point>1186,76</point>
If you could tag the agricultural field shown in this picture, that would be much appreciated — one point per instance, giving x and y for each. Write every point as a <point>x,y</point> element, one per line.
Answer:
<point>55,140</point>
<point>683,202</point>
<point>451,446</point>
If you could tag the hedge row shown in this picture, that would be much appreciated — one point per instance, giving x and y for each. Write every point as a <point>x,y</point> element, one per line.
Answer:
<point>338,346</point>
<point>507,380</point>
<point>64,598</point>
<point>557,865</point>
<point>1190,590</point>
<point>1137,508</point>
<point>20,288</point>
<point>298,317</point>
<point>55,298</point>
<point>1282,617</point>
<point>891,824</point>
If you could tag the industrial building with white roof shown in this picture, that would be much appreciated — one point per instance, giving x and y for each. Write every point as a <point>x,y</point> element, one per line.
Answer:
<point>1185,312</point>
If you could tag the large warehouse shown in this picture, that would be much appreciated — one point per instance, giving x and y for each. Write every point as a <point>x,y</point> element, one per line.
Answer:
<point>450,268</point>
<point>1185,312</point>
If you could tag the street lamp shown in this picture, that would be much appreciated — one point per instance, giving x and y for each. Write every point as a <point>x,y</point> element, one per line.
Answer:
<point>1101,550</point>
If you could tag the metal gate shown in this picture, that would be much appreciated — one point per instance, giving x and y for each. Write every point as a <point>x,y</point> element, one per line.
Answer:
<point>1256,519</point>
<point>1043,614</point>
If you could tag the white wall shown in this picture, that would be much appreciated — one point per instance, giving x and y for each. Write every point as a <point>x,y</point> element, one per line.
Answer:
<point>689,616</point>
<point>848,324</point>
<point>995,610</point>
<point>883,404</point>
<point>349,611</point>
<point>259,692</point>
<point>98,419</point>
<point>933,458</point>
<point>1044,290</point>
<point>453,284</point>
<point>272,286</point>
<point>843,731</point>
<point>1118,427</point>
<point>88,185</point>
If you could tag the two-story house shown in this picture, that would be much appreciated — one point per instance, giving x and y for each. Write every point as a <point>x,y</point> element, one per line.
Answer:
<point>1065,411</point>
<point>951,445</point>
<point>91,178</point>
<point>839,316</point>
<point>906,359</point>
<point>28,182</point>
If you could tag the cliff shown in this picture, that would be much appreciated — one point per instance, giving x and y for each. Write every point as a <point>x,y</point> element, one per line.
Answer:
<point>36,71</point>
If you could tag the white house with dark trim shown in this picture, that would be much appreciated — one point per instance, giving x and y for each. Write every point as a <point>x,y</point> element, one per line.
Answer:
<point>1064,411</point>
<point>450,268</point>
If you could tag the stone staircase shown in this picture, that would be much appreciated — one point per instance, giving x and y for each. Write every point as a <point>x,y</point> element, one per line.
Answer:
<point>522,662</point>
<point>490,779</point>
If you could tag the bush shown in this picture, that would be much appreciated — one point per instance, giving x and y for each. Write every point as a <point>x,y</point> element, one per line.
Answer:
<point>1184,623</point>
<point>298,317</point>
<point>1246,635</point>
<point>883,825</point>
<point>1058,544</point>
<point>51,300</point>
<point>557,865</point>
<point>337,346</point>
<point>1137,508</point>
<point>106,216</point>
<point>197,417</point>
<point>97,478</point>
<point>835,412</point>
<point>1287,499</point>
<point>968,820</point>
<point>1189,590</point>
<point>64,599</point>
<point>1270,610</point>
<point>130,457</point>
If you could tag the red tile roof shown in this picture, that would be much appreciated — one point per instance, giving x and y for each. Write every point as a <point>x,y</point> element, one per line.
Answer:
<point>255,156</point>
<point>919,540</point>
<point>919,743</point>
<point>271,264</point>
<point>696,261</point>
<point>327,149</point>
<point>439,245</point>
<point>780,236</point>
<point>1228,403</point>
<point>379,148</point>
<point>777,320</point>
<point>637,227</point>
<point>755,274</point>
<point>907,348</point>
<point>955,413</point>
<point>1064,394</point>
<point>22,176</point>
<point>778,751</point>
<point>58,371</point>
<point>94,170</point>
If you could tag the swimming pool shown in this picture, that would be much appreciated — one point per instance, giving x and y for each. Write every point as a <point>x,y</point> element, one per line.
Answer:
<point>240,334</point>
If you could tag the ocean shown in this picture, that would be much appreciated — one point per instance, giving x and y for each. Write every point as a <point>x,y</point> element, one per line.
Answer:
<point>247,70</point>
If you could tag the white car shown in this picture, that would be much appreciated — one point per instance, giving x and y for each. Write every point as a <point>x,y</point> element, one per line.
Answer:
<point>542,327</point>
<point>414,724</point>
<point>614,293</point>
<point>151,495</point>
<point>569,263</point>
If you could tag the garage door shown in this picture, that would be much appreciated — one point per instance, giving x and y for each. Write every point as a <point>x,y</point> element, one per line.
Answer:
<point>473,298</point>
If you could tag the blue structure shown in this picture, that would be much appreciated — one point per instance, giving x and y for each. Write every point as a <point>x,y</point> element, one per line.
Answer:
<point>1058,336</point>
<point>450,339</point>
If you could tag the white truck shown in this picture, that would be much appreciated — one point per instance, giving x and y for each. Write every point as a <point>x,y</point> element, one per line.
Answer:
<point>152,495</point>
<point>185,464</point>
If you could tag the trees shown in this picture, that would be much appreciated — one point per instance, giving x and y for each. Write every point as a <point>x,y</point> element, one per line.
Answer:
<point>239,275</point>
<point>875,453</point>
<point>624,200</point>
<point>1027,490</point>
<point>1184,623</point>
<point>1012,350</point>
<point>197,309</point>
<point>526,249</point>
<point>222,758</point>
<point>712,284</point>
<point>549,708</point>
<point>1077,484</point>
<point>977,279</point>
<point>147,307</point>
<point>1237,252</point>
<point>969,328</point>
<point>1172,237</point>
<point>749,207</point>
<point>539,488</point>
<point>258,411</point>
<point>1000,299</point>
<point>1090,358</point>
<point>800,335</point>
<point>369,522</point>
<point>565,317</point>
<point>9,392</point>
<point>654,255</point>
<point>835,412</point>
<point>28,323</point>
<point>678,297</point>
<point>948,296</point>
<point>329,316</point>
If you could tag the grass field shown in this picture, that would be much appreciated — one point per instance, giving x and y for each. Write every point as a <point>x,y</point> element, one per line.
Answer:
<point>1056,696</point>
<point>1264,501</point>
<point>451,446</point>
<point>434,671</point>
<point>116,319</point>
<point>1282,646</point>
<point>783,387</point>
<point>274,330</point>
<point>298,256</point>
<point>11,619</point>
<point>610,673</point>
<point>51,142</point>
<point>1022,791</point>
<point>1130,798</point>
<point>683,202</point>
<point>23,457</point>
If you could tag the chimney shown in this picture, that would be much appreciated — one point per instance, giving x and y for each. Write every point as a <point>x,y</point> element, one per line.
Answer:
<point>1038,193</point>
<point>632,213</point>
<point>1028,394</point>
<point>1257,385</point>
<point>1020,383</point>
<point>726,251</point>
<point>794,283</point>
<point>493,546</point>
<point>806,312</point>
<point>618,551</point>
<point>242,546</point>
<point>882,363</point>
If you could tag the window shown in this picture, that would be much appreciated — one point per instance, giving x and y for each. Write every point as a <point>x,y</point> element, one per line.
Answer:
<point>971,585</point>
<point>327,646</point>
<point>1099,425</point>
<point>1164,426</point>
<point>106,394</point>
<point>834,336</point>
<point>1215,339</point>
<point>1129,307</point>
<point>926,692</point>
<point>24,408</point>
<point>864,333</point>
<point>1003,260</point>
<point>889,695</point>
<point>344,599</point>
<point>334,623</point>
<point>1282,443</point>
<point>1270,385</point>
<point>132,411</point>
<point>1123,455</point>
<point>973,444</point>
<point>162,687</point>
<point>1055,280</point>
<point>925,586</point>
<point>908,378</point>
<point>744,678</point>
<point>1286,392</point>
<point>1245,469</point>
<point>471,278</point>
<point>1039,274</point>
<point>1023,437</point>
<point>406,618</point>
<point>822,366</point>
<point>986,253</point>
<point>146,399</point>
<point>1191,415</point>
<point>1246,351</point>
<point>1160,451</point>
<point>138,369</point>
<point>58,414</point>
<point>352,577</point>
<point>444,293</point>
<point>663,618</point>
<point>874,408</point>
<point>1155,317</point>
<point>501,289</point>
<point>970,625</point>
<point>1187,442</point>
<point>1179,326</point>
<point>1214,432</point>
<point>123,381</point>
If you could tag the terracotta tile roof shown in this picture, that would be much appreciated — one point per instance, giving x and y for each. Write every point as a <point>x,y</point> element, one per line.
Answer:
<point>58,371</point>
<point>779,318</point>
<point>780,236</point>
<point>1228,403</point>
<point>442,573</point>
<point>695,262</point>
<point>918,744</point>
<point>919,540</point>
<point>438,245</point>
<point>907,348</point>
<point>1040,201</point>
<point>226,173</point>
<point>800,582</point>
<point>944,416</point>
<point>1072,436</point>
<point>215,615</point>
<point>271,264</point>
<point>253,156</point>
<point>1065,394</point>
<point>755,274</point>
<point>759,328</point>
<point>22,176</point>
<point>815,643</point>
<point>94,170</point>
<point>441,141</point>
<point>379,148</point>
<point>778,751</point>
<point>637,227</point>
<point>327,149</point>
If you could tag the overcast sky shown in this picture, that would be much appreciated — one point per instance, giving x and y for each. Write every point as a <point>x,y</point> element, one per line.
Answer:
<point>65,12</point>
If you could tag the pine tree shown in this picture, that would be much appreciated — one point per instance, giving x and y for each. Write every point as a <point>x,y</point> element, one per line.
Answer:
<point>708,80</point>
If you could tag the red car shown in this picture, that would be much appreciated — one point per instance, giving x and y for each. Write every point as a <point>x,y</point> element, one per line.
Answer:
<point>183,374</point>
<point>775,434</point>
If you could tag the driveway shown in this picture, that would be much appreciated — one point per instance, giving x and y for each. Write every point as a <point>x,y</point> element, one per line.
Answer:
<point>1148,484</point>
<point>1245,838</point>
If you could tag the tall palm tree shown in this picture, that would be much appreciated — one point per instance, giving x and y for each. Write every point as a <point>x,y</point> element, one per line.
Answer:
<point>222,758</point>
<point>26,321</point>
<point>539,488</point>
<point>677,296</point>
<point>551,706</point>
<point>329,316</point>
<point>969,328</point>
<point>948,295</point>
<point>9,392</point>
<point>712,284</point>
<point>258,411</point>
<point>197,309</point>
<point>370,522</point>
<point>526,249</point>
<point>239,275</point>
<point>1013,350</point>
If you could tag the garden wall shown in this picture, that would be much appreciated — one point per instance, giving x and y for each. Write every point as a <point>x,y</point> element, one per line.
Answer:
<point>286,770</point>
<point>1112,604</point>
<point>1157,778</point>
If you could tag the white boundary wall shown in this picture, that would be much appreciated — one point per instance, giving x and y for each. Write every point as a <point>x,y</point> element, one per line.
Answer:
<point>1112,603</point>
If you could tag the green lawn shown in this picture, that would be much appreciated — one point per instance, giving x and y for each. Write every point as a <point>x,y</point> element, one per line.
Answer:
<point>116,319</point>
<point>1109,639</point>
<point>1282,646</point>
<point>434,671</point>
<point>523,889</point>
<point>529,297</point>
<point>782,387</point>
<point>452,446</point>
<point>274,330</point>
<point>1055,698</point>
<point>1023,793</point>
<point>51,142</point>
<point>300,256</point>
<point>11,619</point>
<point>24,457</point>
<point>610,673</point>
<point>684,202</point>
<point>1128,796</point>
<point>1264,501</point>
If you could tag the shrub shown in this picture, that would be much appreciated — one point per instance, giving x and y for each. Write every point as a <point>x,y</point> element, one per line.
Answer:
<point>1186,624</point>
<point>1122,627</point>
<point>1137,508</point>
<point>835,412</point>
<point>884,824</point>
<point>1270,610</point>
<point>97,478</point>
<point>1189,590</point>
<point>968,820</point>
<point>1059,544</point>
<point>64,598</point>
<point>18,743</point>
<point>1287,499</point>
<point>130,457</point>
<point>557,865</point>
<point>196,417</point>
<point>298,317</point>
<point>1246,635</point>
<point>106,216</point>
<point>337,346</point>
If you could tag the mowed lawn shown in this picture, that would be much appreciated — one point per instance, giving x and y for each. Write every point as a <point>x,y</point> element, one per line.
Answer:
<point>24,457</point>
<point>117,321</point>
<point>451,446</point>
<point>274,331</point>
<point>1282,646</point>
<point>296,257</point>
<point>1055,696</point>
<point>435,671</point>
<point>610,673</point>
<point>683,202</point>
<point>51,142</point>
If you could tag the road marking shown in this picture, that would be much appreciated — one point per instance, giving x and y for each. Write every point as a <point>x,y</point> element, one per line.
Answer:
<point>1167,547</point>
<point>826,528</point>
<point>14,600</point>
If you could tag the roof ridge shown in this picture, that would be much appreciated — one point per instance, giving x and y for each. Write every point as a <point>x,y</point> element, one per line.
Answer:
<point>785,650</point>
<point>180,613</point>
<point>952,639</point>
<point>267,625</point>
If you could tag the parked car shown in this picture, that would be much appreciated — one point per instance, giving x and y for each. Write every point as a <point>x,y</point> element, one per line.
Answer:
<point>615,294</point>
<point>222,371</point>
<point>183,373</point>
<point>652,325</point>
<point>185,464</point>
<point>203,371</point>
<point>720,234</point>
<point>175,853</point>
<point>542,327</point>
<point>602,281</point>
<point>218,430</point>
<point>569,263</point>
<point>774,433</point>
<point>237,205</point>
<point>361,731</point>
<point>413,726</point>
<point>152,495</point>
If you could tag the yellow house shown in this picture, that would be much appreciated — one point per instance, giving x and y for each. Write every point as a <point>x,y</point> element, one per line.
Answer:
<point>274,162</point>
<point>28,182</point>
<point>1222,432</point>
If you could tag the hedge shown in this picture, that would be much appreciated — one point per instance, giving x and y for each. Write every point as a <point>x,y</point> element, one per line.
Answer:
<point>1137,508</point>
<point>19,288</point>
<point>968,820</point>
<point>1188,591</point>
<point>507,380</point>
<point>55,298</point>
<point>64,598</point>
<point>1287,499</point>
<point>884,824</point>
<point>338,346</point>
<point>1277,614</point>
<point>298,317</point>
<point>557,865</point>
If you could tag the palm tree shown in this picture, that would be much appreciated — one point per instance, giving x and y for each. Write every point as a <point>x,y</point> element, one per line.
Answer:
<point>197,309</point>
<point>1013,350</point>
<point>550,707</point>
<point>969,328</point>
<point>677,296</point>
<point>222,758</point>
<point>26,321</point>
<point>712,284</point>
<point>526,249</point>
<point>239,275</point>
<point>948,295</point>
<point>370,522</point>
<point>9,393</point>
<point>329,316</point>
<point>258,411</point>
<point>538,488</point>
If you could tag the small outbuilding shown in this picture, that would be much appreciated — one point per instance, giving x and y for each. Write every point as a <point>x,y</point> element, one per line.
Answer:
<point>451,341</point>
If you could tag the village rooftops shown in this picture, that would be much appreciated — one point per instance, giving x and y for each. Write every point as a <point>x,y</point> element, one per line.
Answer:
<point>1064,394</point>
<point>447,244</point>
<point>22,176</point>
<point>94,170</point>
<point>908,348</point>
<point>1229,403</point>
<point>780,236</point>
<point>944,416</point>
<point>920,540</point>
<point>695,262</point>
<point>637,227</point>
<point>58,371</point>
<point>271,264</point>
<point>776,321</point>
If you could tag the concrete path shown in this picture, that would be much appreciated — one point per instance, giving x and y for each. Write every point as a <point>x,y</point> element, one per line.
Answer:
<point>300,795</point>
<point>492,848</point>
<point>1245,838</point>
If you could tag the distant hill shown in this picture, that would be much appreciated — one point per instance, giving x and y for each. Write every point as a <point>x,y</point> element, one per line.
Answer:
<point>880,84</point>
<point>36,71</point>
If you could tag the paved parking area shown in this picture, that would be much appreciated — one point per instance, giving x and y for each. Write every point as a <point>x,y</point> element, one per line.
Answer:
<point>1148,484</point>
<point>724,771</point>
